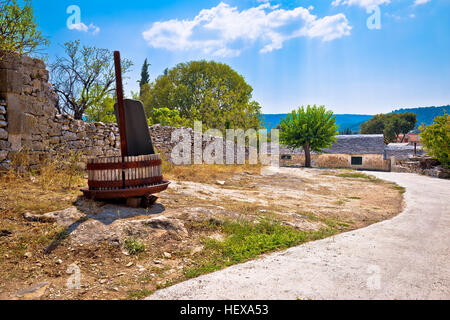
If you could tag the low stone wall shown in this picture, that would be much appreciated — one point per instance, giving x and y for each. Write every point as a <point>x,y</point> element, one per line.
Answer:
<point>422,165</point>
<point>29,123</point>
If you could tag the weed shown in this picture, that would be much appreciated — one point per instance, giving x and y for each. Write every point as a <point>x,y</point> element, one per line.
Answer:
<point>138,294</point>
<point>359,175</point>
<point>402,190</point>
<point>134,246</point>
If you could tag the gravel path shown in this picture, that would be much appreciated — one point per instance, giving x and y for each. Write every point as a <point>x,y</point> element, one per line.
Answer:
<point>407,257</point>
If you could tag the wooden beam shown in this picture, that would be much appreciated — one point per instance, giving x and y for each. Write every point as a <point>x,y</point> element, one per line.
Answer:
<point>121,106</point>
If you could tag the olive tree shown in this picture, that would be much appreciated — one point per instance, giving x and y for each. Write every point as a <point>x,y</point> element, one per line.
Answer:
<point>312,129</point>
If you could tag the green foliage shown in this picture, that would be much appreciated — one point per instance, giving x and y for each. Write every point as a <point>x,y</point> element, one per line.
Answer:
<point>138,294</point>
<point>168,117</point>
<point>358,175</point>
<point>84,77</point>
<point>246,240</point>
<point>313,128</point>
<point>134,246</point>
<point>436,139</point>
<point>18,28</point>
<point>102,112</point>
<point>145,96</point>
<point>391,125</point>
<point>145,76</point>
<point>347,132</point>
<point>425,115</point>
<point>207,91</point>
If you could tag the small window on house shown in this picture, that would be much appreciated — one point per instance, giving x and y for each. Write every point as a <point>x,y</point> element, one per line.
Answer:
<point>357,161</point>
<point>284,157</point>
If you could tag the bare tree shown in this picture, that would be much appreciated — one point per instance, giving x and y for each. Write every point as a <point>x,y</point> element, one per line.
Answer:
<point>83,77</point>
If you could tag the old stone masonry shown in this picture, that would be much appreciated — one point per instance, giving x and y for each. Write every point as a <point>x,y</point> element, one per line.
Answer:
<point>30,124</point>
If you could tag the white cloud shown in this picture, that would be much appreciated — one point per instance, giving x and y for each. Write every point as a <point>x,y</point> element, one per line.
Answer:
<point>225,31</point>
<point>362,3</point>
<point>419,2</point>
<point>84,28</point>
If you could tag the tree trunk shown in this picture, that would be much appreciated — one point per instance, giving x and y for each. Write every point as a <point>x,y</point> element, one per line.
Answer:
<point>307,155</point>
<point>78,115</point>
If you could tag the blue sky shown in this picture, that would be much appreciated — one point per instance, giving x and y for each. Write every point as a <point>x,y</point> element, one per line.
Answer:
<point>292,53</point>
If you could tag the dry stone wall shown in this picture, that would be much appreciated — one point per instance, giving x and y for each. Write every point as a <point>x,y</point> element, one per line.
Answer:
<point>30,124</point>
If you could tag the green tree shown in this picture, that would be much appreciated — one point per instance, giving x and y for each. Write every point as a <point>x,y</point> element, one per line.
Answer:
<point>168,117</point>
<point>313,129</point>
<point>436,139</point>
<point>347,132</point>
<point>392,125</point>
<point>103,111</point>
<point>145,76</point>
<point>84,77</point>
<point>18,28</point>
<point>145,96</point>
<point>207,91</point>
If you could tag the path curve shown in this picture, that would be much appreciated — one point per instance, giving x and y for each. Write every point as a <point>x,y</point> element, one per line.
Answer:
<point>407,257</point>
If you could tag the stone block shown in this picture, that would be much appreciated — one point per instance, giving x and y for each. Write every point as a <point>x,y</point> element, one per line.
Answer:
<point>3,134</point>
<point>4,145</point>
<point>10,61</point>
<point>3,155</point>
<point>16,141</point>
<point>14,102</point>
<point>11,81</point>
<point>69,136</point>
<point>54,132</point>
<point>54,140</point>
<point>29,124</point>
<point>15,121</point>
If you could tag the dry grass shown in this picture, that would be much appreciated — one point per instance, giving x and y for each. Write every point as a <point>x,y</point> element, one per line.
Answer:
<point>207,173</point>
<point>55,185</point>
<point>226,229</point>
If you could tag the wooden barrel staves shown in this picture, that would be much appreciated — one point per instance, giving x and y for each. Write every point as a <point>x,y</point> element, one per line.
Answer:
<point>110,177</point>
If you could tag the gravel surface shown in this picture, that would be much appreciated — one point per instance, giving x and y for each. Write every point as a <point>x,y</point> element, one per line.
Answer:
<point>407,257</point>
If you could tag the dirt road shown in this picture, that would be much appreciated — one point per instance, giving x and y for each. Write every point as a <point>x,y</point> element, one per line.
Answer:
<point>407,257</point>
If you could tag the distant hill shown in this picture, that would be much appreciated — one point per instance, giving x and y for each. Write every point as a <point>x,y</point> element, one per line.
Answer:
<point>425,115</point>
<point>353,121</point>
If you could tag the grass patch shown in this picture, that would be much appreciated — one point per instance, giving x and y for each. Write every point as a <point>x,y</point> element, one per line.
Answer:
<point>134,246</point>
<point>333,224</point>
<point>246,240</point>
<point>359,175</point>
<point>53,186</point>
<point>138,294</point>
<point>400,189</point>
